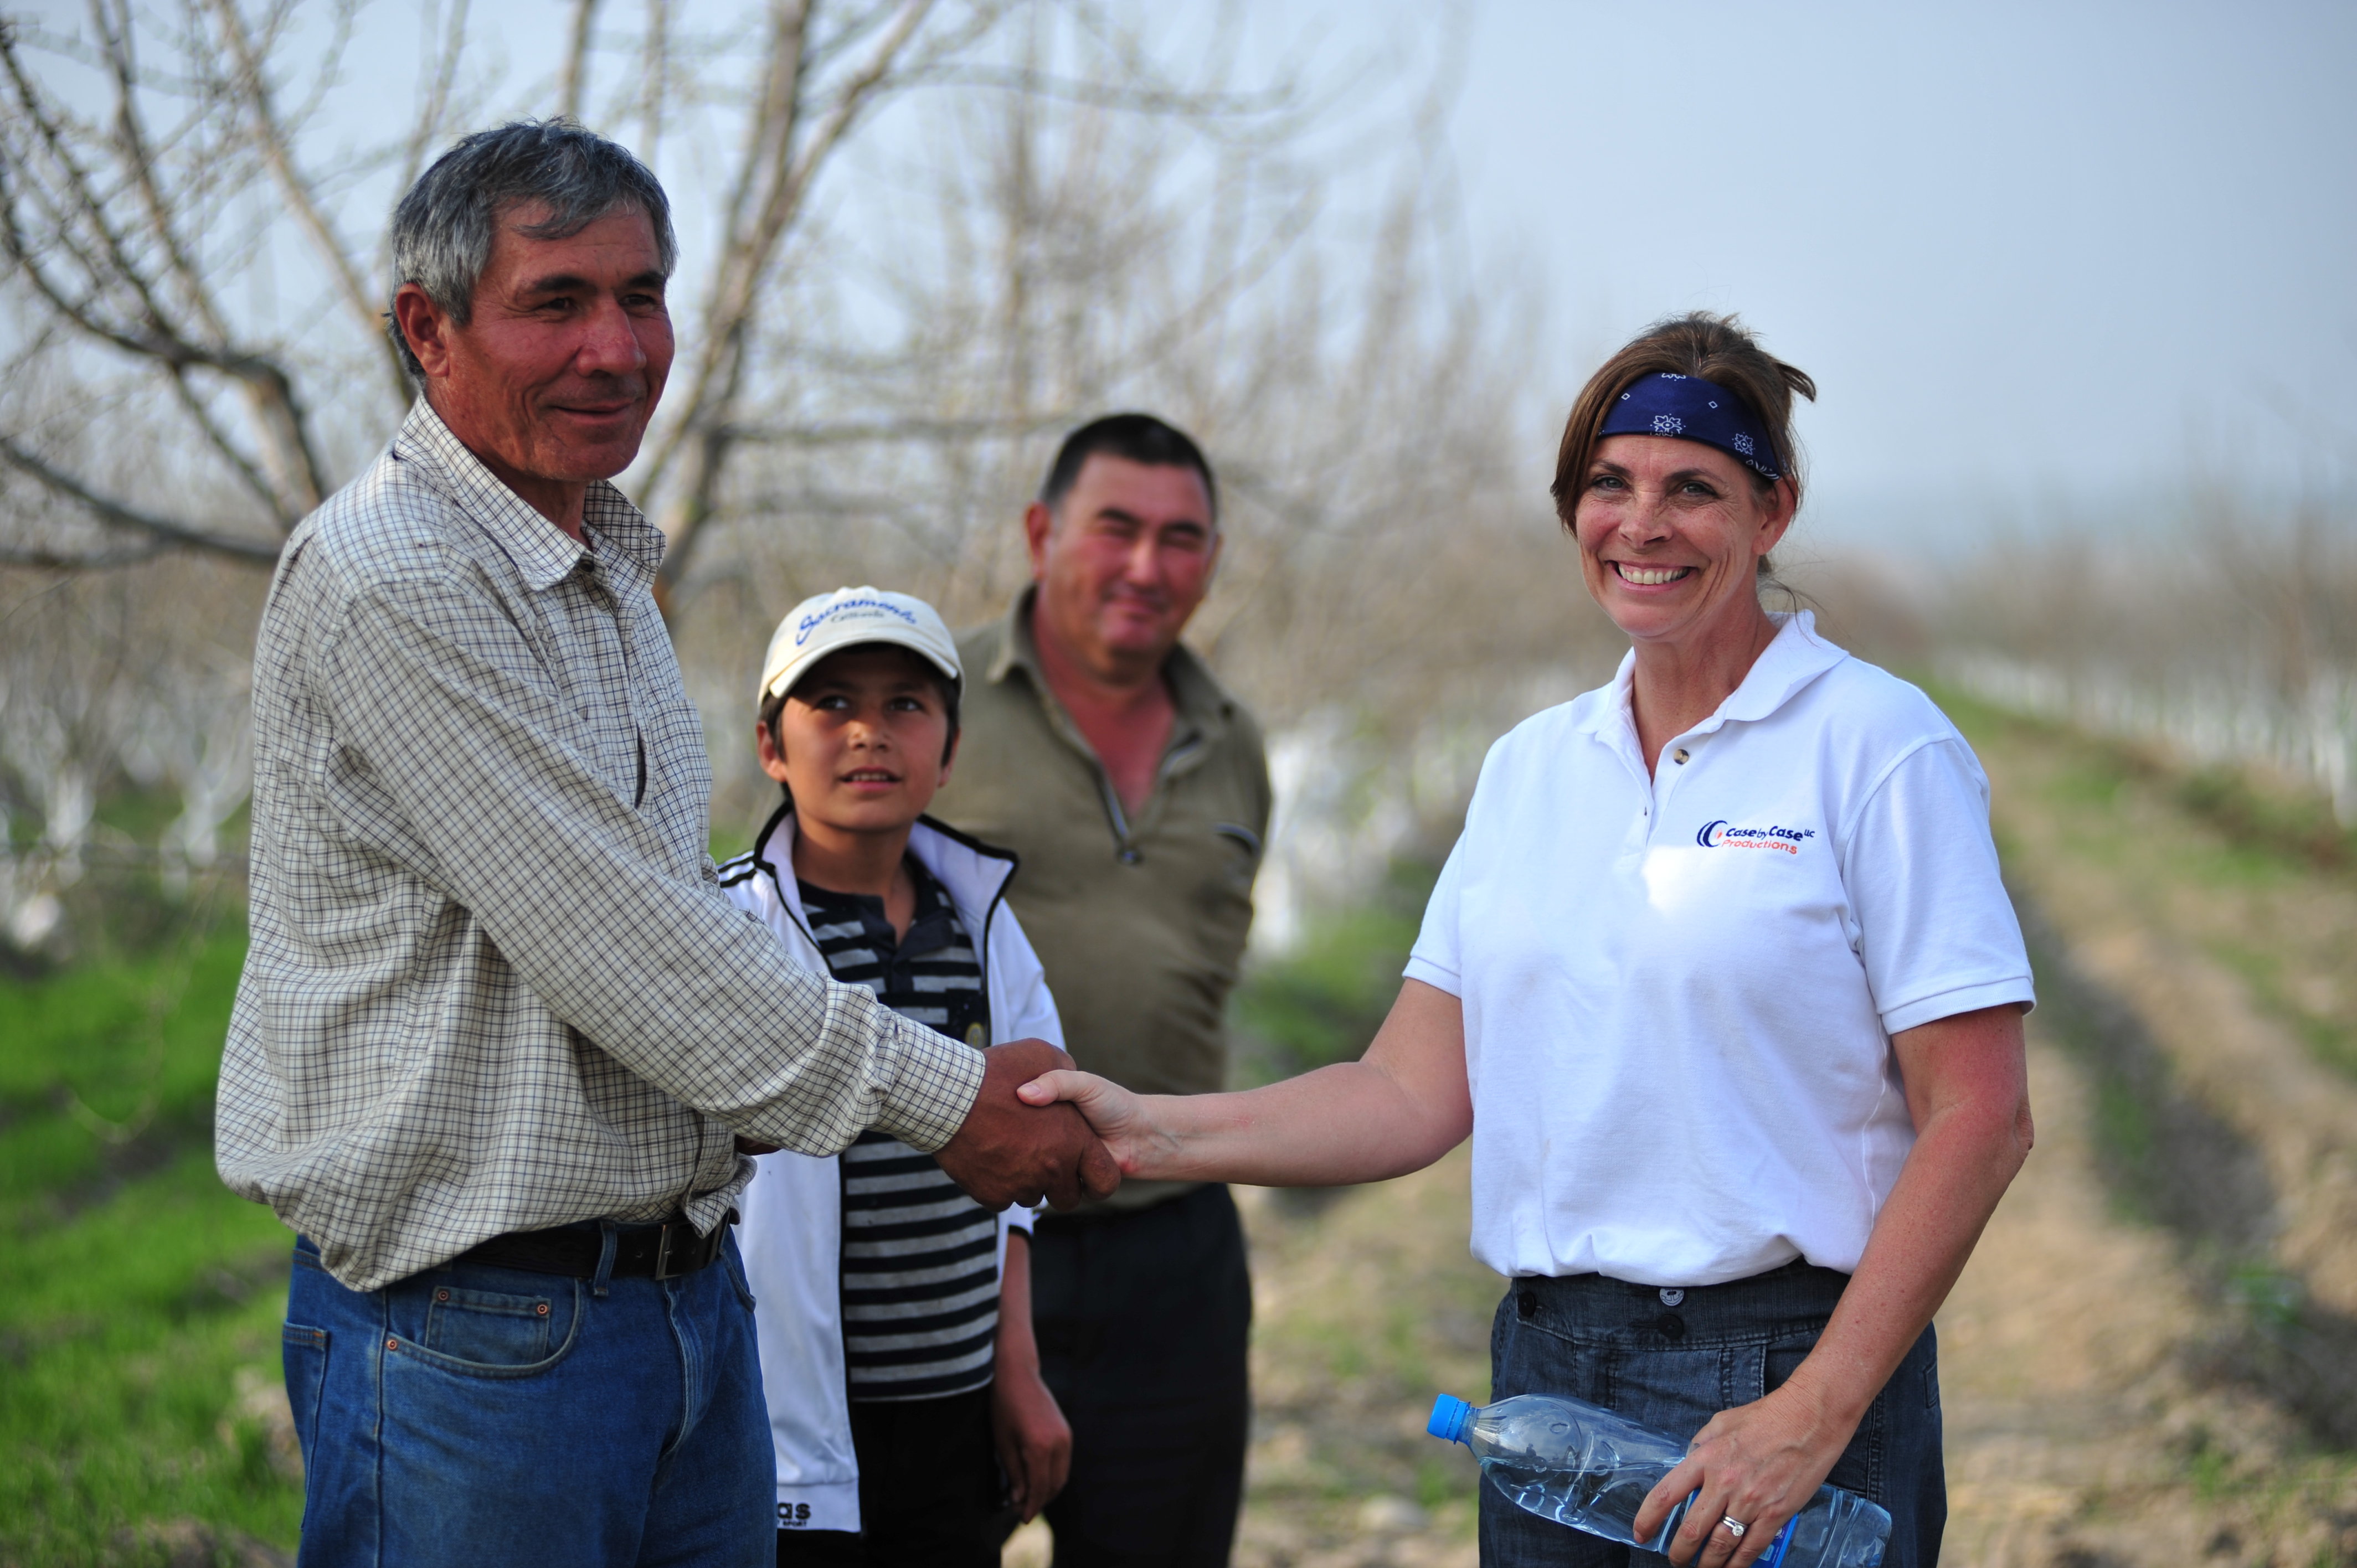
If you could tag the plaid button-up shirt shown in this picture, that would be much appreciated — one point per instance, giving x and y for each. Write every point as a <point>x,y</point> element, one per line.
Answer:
<point>492,982</point>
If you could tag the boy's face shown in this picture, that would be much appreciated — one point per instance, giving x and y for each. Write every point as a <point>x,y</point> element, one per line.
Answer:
<point>865,740</point>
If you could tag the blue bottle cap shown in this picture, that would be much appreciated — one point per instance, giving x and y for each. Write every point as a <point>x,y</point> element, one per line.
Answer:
<point>1449,1415</point>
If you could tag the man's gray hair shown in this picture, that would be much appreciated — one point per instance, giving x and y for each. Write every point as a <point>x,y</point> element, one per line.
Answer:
<point>443,229</point>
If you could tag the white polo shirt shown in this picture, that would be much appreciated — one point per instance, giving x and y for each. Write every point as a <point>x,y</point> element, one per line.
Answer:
<point>1680,990</point>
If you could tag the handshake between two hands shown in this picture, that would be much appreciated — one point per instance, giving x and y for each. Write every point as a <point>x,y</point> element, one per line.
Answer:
<point>1029,1135</point>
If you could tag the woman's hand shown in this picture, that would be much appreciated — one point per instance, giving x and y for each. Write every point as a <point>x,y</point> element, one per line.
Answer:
<point>1757,1464</point>
<point>1123,1120</point>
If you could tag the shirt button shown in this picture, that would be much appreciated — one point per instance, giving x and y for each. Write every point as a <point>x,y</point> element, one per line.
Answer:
<point>1681,755</point>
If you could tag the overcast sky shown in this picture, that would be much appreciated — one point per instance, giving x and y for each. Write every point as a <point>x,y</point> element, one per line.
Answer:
<point>2045,261</point>
<point>2049,262</point>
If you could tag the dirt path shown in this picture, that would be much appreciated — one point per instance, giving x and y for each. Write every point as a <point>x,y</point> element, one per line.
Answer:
<point>2154,1334</point>
<point>2076,1436</point>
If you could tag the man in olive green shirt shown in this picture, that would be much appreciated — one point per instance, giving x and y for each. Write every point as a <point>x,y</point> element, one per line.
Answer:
<point>1135,790</point>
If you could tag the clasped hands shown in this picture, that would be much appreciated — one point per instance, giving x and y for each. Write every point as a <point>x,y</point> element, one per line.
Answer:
<point>1017,1150</point>
<point>1021,1148</point>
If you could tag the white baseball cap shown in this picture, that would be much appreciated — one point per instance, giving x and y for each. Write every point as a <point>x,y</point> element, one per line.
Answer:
<point>825,622</point>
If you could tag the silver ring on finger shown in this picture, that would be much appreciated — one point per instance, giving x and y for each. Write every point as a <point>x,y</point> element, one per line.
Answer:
<point>1734,1526</point>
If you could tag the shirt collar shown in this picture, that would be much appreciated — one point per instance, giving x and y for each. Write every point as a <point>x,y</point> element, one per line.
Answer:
<point>621,540</point>
<point>1204,705</point>
<point>1796,657</point>
<point>1792,658</point>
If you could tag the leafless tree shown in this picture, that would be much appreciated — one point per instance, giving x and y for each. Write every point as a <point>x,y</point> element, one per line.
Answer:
<point>153,162</point>
<point>2232,638</point>
<point>192,275</point>
<point>1360,398</point>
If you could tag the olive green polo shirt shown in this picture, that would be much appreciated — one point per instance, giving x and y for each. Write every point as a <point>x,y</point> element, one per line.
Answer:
<point>1140,923</point>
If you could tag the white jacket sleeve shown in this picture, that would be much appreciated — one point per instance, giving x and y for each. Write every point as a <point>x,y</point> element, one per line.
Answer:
<point>1031,1016</point>
<point>1031,1009</point>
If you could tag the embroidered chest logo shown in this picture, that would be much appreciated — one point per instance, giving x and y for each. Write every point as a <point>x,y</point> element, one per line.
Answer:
<point>1719,834</point>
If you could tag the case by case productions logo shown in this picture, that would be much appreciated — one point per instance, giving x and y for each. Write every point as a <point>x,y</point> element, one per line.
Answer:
<point>1719,834</point>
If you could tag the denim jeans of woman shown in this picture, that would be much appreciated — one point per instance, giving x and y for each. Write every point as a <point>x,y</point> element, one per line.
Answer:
<point>1672,1360</point>
<point>479,1414</point>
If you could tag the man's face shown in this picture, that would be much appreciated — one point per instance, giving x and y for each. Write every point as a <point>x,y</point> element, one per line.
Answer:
<point>556,375</point>
<point>1123,561</point>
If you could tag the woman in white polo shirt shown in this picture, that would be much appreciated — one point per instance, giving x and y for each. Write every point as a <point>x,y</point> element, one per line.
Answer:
<point>1721,980</point>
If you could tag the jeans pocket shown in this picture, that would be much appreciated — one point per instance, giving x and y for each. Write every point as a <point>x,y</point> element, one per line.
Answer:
<point>305,1351</point>
<point>733,1267</point>
<point>497,1334</point>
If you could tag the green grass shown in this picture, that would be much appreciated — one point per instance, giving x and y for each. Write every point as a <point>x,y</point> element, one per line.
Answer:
<point>2265,832</point>
<point>138,1290</point>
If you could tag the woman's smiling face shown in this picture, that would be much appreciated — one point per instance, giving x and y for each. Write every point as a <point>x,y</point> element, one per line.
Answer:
<point>1671,533</point>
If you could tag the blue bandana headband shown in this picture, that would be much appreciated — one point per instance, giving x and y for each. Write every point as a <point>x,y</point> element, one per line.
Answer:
<point>1692,409</point>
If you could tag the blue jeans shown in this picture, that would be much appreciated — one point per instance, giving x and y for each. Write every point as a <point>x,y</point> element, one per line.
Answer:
<point>1675,1359</point>
<point>474,1414</point>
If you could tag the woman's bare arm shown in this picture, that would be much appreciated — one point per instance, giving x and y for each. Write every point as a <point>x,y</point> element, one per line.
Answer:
<point>1402,1106</point>
<point>1968,1091</point>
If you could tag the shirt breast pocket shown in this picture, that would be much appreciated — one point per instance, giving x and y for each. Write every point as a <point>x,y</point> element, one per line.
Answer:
<point>1243,858</point>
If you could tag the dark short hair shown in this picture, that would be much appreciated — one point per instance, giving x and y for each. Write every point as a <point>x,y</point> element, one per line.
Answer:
<point>444,228</point>
<point>1140,438</point>
<point>774,704</point>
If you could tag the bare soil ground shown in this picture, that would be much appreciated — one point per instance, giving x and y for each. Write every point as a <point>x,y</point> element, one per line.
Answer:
<point>2150,1359</point>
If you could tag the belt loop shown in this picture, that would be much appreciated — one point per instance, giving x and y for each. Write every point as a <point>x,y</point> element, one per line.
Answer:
<point>607,1237</point>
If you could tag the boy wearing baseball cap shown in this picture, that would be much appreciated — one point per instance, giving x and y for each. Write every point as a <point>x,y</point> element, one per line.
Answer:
<point>893,1311</point>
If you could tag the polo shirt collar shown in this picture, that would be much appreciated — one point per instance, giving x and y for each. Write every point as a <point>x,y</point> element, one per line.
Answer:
<point>1204,705</point>
<point>1792,658</point>
<point>623,543</point>
<point>1796,657</point>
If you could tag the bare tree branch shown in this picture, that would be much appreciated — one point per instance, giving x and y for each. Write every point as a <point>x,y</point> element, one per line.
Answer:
<point>428,124</point>
<point>654,76</point>
<point>885,432</point>
<point>778,177</point>
<point>270,137</point>
<point>297,483</point>
<point>121,515</point>
<point>576,80</point>
<point>82,560</point>
<point>1125,97</point>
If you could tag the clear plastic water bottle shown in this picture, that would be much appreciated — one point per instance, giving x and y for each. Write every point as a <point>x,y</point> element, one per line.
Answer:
<point>1580,1465</point>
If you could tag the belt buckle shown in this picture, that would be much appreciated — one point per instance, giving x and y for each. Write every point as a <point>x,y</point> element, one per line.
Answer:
<point>662,1254</point>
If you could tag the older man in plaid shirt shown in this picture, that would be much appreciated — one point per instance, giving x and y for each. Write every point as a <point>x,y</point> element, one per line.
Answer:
<point>500,1042</point>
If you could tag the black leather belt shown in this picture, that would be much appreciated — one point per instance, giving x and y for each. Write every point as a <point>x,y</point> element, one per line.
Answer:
<point>661,1251</point>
